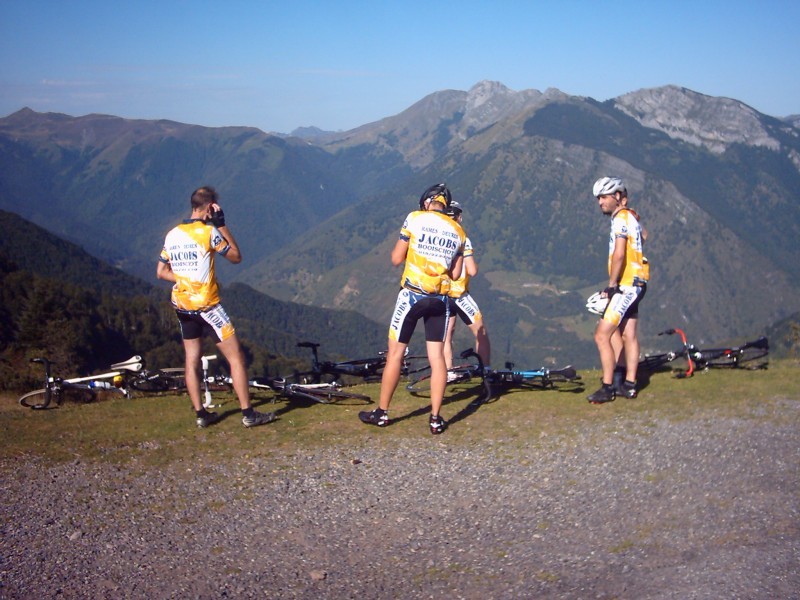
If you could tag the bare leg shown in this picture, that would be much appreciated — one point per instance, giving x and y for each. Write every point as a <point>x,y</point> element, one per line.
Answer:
<point>232,351</point>
<point>482,345</point>
<point>391,372</point>
<point>631,340</point>
<point>193,349</point>
<point>438,374</point>
<point>448,342</point>
<point>602,337</point>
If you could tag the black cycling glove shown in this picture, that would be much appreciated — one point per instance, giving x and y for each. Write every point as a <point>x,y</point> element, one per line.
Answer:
<point>218,218</point>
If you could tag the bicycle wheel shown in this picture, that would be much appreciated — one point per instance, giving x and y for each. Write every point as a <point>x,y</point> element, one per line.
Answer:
<point>455,375</point>
<point>421,384</point>
<point>324,394</point>
<point>158,383</point>
<point>753,358</point>
<point>37,399</point>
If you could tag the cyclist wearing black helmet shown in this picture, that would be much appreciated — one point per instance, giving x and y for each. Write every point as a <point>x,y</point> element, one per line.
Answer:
<point>431,245</point>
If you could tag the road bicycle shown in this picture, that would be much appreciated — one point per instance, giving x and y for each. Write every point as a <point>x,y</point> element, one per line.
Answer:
<point>364,369</point>
<point>57,390</point>
<point>172,380</point>
<point>496,381</point>
<point>652,363</point>
<point>461,373</point>
<point>751,355</point>
<point>322,393</point>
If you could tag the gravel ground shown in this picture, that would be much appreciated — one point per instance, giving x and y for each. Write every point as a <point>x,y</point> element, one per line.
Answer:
<point>701,508</point>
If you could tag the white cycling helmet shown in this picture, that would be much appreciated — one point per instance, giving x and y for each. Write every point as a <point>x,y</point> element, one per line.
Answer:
<point>595,304</point>
<point>608,185</point>
<point>454,210</point>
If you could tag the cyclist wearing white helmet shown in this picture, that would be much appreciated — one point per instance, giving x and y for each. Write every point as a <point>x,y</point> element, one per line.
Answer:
<point>463,304</point>
<point>628,272</point>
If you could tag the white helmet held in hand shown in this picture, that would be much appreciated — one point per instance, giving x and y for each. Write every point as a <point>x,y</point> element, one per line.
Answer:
<point>608,185</point>
<point>595,304</point>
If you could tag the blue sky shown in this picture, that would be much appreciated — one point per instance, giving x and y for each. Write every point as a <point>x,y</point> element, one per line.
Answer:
<point>340,64</point>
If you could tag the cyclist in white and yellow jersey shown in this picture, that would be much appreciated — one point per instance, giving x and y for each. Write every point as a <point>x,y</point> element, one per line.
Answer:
<point>432,245</point>
<point>187,260</point>
<point>628,273</point>
<point>463,304</point>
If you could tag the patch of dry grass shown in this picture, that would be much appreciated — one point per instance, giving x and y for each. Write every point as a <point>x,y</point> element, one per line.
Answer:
<point>160,430</point>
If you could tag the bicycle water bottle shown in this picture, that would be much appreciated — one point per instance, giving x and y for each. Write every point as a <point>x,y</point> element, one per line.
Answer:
<point>100,385</point>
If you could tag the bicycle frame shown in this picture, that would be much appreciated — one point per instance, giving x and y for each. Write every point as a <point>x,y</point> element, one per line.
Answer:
<point>652,362</point>
<point>731,357</point>
<point>323,393</point>
<point>542,376</point>
<point>704,359</point>
<point>53,386</point>
<point>368,369</point>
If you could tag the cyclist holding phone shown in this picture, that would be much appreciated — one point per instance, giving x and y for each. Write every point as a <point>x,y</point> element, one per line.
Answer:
<point>187,260</point>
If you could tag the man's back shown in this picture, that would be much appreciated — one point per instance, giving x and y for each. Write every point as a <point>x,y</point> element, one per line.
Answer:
<point>434,240</point>
<point>190,248</point>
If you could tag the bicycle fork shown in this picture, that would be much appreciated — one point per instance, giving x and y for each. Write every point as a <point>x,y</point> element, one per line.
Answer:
<point>207,402</point>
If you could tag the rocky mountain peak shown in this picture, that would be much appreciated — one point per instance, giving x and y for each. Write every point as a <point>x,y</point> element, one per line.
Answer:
<point>489,101</point>
<point>713,122</point>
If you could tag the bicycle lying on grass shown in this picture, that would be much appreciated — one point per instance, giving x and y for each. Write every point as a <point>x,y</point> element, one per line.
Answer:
<point>322,393</point>
<point>750,355</point>
<point>366,369</point>
<point>172,380</point>
<point>80,389</point>
<point>496,381</point>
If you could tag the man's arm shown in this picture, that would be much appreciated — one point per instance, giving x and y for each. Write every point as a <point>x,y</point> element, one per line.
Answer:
<point>471,265</point>
<point>233,254</point>
<point>164,271</point>
<point>457,266</point>
<point>617,261</point>
<point>399,252</point>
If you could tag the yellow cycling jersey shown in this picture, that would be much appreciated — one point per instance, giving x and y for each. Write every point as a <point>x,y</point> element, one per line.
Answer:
<point>625,224</point>
<point>189,249</point>
<point>434,240</point>
<point>460,286</point>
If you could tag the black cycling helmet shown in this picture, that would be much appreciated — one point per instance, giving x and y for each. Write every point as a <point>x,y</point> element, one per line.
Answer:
<point>438,192</point>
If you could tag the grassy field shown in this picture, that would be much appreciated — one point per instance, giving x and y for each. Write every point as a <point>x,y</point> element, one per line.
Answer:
<point>160,430</point>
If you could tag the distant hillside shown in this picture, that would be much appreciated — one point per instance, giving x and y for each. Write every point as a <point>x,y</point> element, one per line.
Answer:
<point>60,302</point>
<point>115,186</point>
<point>715,181</point>
<point>36,251</point>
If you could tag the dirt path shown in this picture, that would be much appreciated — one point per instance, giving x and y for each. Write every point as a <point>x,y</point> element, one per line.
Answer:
<point>700,508</point>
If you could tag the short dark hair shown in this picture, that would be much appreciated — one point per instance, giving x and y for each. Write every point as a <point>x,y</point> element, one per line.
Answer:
<point>204,196</point>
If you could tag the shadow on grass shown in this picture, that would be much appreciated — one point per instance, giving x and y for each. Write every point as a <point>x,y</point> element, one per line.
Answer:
<point>476,393</point>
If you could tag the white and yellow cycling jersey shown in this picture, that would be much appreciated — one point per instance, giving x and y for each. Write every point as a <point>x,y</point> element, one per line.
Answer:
<point>460,286</point>
<point>434,241</point>
<point>189,249</point>
<point>625,224</point>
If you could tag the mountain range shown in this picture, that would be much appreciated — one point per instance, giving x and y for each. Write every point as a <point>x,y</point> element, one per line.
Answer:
<point>316,213</point>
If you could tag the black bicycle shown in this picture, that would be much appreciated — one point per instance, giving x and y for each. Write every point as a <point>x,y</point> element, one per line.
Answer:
<point>652,363</point>
<point>322,393</point>
<point>751,355</point>
<point>365,370</point>
<point>172,380</point>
